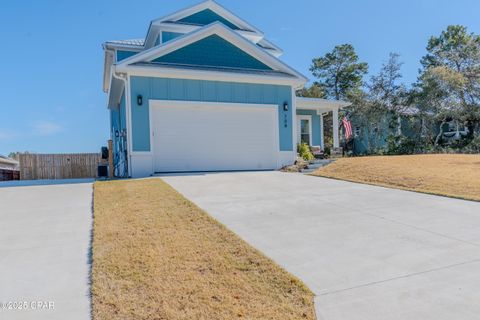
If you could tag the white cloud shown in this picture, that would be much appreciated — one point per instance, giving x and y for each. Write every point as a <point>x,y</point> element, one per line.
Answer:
<point>46,128</point>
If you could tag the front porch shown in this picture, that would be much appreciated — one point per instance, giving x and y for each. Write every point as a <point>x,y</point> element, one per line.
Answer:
<point>309,123</point>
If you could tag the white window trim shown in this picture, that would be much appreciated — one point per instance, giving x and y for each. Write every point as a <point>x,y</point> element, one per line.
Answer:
<point>299,127</point>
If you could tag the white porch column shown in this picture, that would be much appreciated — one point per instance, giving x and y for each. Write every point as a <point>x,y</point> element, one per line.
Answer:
<point>322,131</point>
<point>336,140</point>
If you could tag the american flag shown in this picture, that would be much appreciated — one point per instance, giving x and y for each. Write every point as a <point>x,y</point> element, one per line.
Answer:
<point>347,125</point>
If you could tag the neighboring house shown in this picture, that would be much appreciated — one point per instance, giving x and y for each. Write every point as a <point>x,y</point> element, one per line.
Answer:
<point>8,163</point>
<point>206,91</point>
<point>374,137</point>
<point>9,169</point>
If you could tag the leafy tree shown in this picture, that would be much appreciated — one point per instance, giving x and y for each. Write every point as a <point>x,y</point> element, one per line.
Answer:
<point>314,91</point>
<point>385,88</point>
<point>384,99</point>
<point>339,72</point>
<point>441,97</point>
<point>387,94</point>
<point>449,83</point>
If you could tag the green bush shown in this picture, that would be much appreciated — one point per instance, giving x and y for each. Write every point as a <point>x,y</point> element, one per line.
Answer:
<point>304,152</point>
<point>474,145</point>
<point>397,145</point>
<point>327,151</point>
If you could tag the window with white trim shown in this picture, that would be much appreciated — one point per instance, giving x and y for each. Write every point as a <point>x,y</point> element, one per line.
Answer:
<point>305,131</point>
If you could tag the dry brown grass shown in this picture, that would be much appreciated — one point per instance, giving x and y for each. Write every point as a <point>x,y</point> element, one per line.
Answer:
<point>158,256</point>
<point>450,175</point>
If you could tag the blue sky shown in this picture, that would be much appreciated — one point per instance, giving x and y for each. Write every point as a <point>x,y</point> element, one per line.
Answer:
<point>51,57</point>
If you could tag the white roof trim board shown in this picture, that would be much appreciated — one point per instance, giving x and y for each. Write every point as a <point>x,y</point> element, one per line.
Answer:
<point>320,104</point>
<point>226,33</point>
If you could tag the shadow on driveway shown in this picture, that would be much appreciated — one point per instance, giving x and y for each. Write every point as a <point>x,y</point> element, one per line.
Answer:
<point>29,183</point>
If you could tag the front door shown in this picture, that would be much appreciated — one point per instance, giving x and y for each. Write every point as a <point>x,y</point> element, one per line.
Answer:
<point>304,130</point>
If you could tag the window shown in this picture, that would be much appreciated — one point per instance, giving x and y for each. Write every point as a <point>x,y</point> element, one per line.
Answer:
<point>305,131</point>
<point>357,132</point>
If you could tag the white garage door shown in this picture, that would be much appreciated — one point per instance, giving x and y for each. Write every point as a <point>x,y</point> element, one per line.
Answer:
<point>214,136</point>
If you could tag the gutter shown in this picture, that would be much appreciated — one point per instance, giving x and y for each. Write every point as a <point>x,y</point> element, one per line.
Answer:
<point>116,75</point>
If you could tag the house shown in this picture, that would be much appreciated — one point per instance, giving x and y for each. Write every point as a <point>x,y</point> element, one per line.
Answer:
<point>409,123</point>
<point>9,169</point>
<point>206,91</point>
<point>8,163</point>
<point>371,138</point>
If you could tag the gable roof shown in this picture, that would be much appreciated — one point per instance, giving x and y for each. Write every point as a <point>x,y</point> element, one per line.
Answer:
<point>205,17</point>
<point>214,7</point>
<point>203,12</point>
<point>223,32</point>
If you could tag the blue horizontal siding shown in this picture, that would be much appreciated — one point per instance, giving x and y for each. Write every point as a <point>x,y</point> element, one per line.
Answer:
<point>207,16</point>
<point>316,125</point>
<point>123,54</point>
<point>167,36</point>
<point>213,51</point>
<point>208,91</point>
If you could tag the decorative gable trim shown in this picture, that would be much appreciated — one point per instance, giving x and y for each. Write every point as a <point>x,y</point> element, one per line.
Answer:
<point>205,17</point>
<point>243,26</point>
<point>224,32</point>
<point>216,8</point>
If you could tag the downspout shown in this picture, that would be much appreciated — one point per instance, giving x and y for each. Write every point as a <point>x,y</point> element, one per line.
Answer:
<point>123,77</point>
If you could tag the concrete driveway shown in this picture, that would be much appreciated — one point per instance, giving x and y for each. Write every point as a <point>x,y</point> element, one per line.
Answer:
<point>367,252</point>
<point>44,251</point>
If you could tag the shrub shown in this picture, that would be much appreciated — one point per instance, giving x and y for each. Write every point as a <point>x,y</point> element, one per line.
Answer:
<point>474,145</point>
<point>401,145</point>
<point>327,151</point>
<point>304,152</point>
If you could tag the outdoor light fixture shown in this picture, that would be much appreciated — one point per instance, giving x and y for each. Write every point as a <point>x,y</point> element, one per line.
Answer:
<point>285,106</point>
<point>139,100</point>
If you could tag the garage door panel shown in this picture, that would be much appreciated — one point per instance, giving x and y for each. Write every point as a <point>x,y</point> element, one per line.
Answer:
<point>205,138</point>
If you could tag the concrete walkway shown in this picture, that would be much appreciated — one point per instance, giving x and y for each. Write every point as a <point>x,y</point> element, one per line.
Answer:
<point>367,252</point>
<point>44,251</point>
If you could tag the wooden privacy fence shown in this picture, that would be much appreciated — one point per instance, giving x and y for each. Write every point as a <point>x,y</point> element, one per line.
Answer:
<point>58,166</point>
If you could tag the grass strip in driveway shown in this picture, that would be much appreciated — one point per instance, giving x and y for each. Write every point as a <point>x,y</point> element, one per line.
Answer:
<point>451,175</point>
<point>158,256</point>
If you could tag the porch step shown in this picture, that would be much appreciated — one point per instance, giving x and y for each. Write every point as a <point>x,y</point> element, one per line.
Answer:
<point>315,164</point>
<point>336,153</point>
